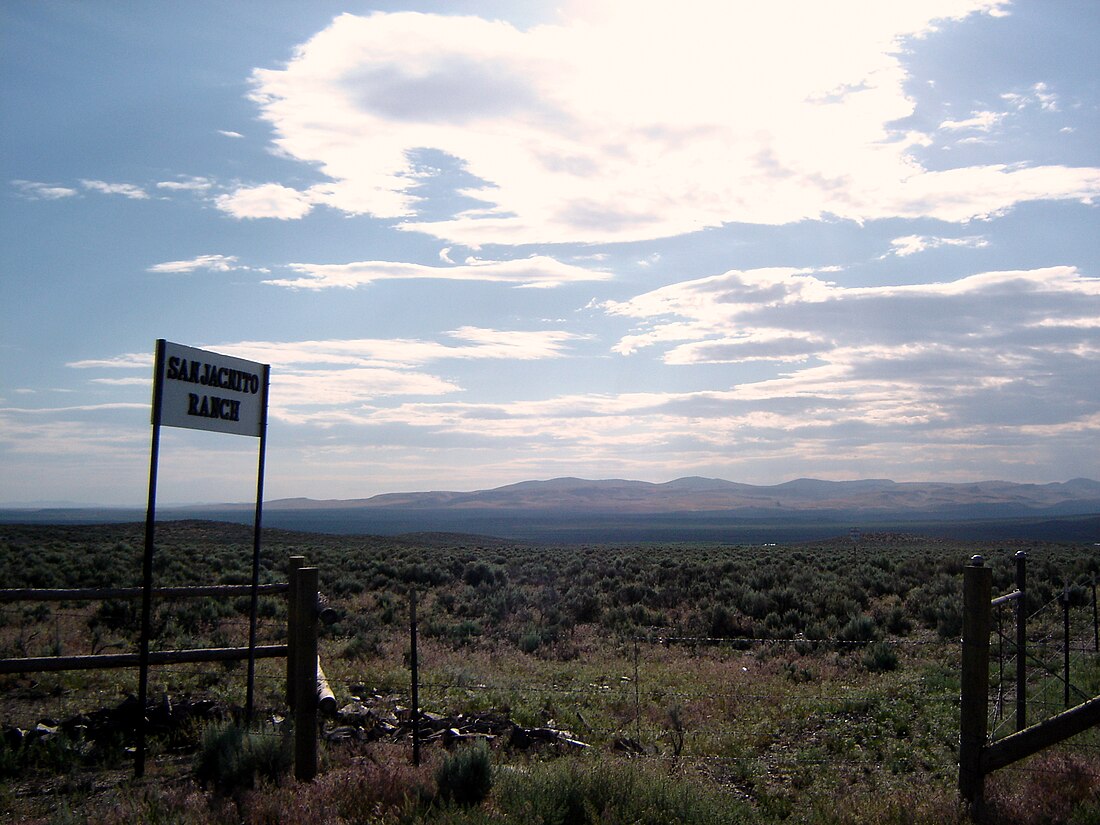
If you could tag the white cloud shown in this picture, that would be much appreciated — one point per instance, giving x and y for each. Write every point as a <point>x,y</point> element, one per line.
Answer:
<point>913,244</point>
<point>389,353</point>
<point>539,270</point>
<point>270,200</point>
<point>905,407</point>
<point>630,121</point>
<point>506,344</point>
<point>130,360</point>
<point>192,184</point>
<point>798,299</point>
<point>475,343</point>
<point>127,190</point>
<point>1038,95</point>
<point>132,381</point>
<point>72,408</point>
<point>983,353</point>
<point>776,346</point>
<point>230,134</point>
<point>211,263</point>
<point>901,380</point>
<point>325,382</point>
<point>978,121</point>
<point>292,389</point>
<point>43,191</point>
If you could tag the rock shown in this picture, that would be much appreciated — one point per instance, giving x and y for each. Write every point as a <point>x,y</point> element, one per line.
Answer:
<point>356,713</point>
<point>625,744</point>
<point>345,733</point>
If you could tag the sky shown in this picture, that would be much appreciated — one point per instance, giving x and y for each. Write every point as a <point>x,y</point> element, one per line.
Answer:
<point>486,242</point>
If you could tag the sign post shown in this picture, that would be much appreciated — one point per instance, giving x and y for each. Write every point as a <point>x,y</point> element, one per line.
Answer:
<point>201,390</point>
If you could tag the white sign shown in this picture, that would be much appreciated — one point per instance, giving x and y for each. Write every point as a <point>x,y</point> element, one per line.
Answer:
<point>203,390</point>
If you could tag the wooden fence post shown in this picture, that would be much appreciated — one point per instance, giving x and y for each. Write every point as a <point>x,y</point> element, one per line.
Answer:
<point>305,676</point>
<point>973,723</point>
<point>295,564</point>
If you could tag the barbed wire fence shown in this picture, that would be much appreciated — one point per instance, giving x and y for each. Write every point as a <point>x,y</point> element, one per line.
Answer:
<point>1062,643</point>
<point>644,725</point>
<point>647,724</point>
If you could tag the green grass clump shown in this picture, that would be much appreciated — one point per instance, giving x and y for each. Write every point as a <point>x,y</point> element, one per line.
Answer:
<point>581,792</point>
<point>465,777</point>
<point>231,758</point>
<point>880,658</point>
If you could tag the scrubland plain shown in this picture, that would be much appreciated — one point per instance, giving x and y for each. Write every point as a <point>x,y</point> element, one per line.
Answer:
<point>809,683</point>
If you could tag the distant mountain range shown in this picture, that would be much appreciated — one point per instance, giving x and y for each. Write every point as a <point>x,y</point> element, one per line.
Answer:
<point>697,495</point>
<point>688,509</point>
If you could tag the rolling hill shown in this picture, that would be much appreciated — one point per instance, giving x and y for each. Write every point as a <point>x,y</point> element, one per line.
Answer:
<point>686,509</point>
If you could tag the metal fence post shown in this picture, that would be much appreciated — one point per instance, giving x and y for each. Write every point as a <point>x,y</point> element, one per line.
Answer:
<point>1021,640</point>
<point>1065,642</point>
<point>974,704</point>
<point>305,677</point>
<point>414,667</point>
<point>1095,621</point>
<point>296,563</point>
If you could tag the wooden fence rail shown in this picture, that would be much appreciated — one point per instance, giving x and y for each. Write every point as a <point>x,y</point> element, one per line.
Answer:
<point>108,661</point>
<point>305,678</point>
<point>103,593</point>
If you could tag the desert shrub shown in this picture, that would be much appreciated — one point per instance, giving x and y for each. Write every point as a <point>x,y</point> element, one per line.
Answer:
<point>231,758</point>
<point>9,759</point>
<point>446,601</point>
<point>949,623</point>
<point>380,790</point>
<point>819,631</point>
<point>880,657</point>
<point>585,607</point>
<point>725,624</point>
<point>362,646</point>
<point>530,641</point>
<point>55,753</point>
<point>387,605</point>
<point>115,614</point>
<point>897,622</point>
<point>476,573</point>
<point>423,574</point>
<point>1078,596</point>
<point>785,599</point>
<point>568,792</point>
<point>465,777</point>
<point>794,619</point>
<point>635,593</point>
<point>756,604</point>
<point>346,585</point>
<point>641,616</point>
<point>462,633</point>
<point>1058,787</point>
<point>860,628</point>
<point>197,616</point>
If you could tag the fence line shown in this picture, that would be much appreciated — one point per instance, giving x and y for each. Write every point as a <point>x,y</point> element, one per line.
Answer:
<point>628,690</point>
<point>977,755</point>
<point>304,675</point>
